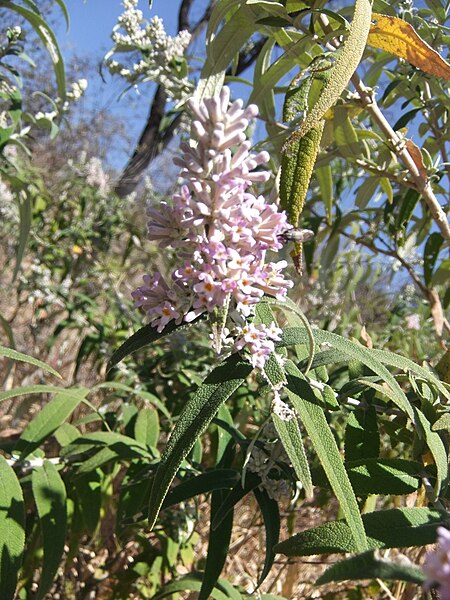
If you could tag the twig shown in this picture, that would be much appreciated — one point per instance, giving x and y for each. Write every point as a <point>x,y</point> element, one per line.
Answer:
<point>421,183</point>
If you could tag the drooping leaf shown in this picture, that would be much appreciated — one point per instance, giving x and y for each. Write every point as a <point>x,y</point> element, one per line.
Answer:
<point>145,336</point>
<point>370,358</point>
<point>218,546</point>
<point>430,254</point>
<point>271,517</point>
<point>437,449</point>
<point>12,530</point>
<point>393,528</point>
<point>194,419</point>
<point>146,428</point>
<point>398,37</point>
<point>368,566</point>
<point>50,496</point>
<point>305,403</point>
<point>19,356</point>
<point>193,582</point>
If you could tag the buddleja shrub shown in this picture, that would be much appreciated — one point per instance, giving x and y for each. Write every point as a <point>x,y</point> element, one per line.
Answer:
<point>335,416</point>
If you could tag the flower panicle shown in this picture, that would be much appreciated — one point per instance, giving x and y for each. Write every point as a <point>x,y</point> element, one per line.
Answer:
<point>220,229</point>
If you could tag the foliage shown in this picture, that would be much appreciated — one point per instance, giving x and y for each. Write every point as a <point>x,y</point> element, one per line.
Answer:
<point>104,488</point>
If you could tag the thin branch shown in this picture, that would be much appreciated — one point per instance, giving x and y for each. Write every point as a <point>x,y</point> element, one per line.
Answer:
<point>421,183</point>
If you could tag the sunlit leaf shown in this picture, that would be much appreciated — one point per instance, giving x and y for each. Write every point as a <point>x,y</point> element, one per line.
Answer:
<point>398,37</point>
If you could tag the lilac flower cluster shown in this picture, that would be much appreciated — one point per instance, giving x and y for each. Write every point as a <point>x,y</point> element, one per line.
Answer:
<point>437,564</point>
<point>220,230</point>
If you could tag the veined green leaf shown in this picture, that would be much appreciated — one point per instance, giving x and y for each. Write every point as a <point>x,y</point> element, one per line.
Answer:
<point>53,414</point>
<point>145,336</point>
<point>222,49</point>
<point>12,530</point>
<point>194,419</point>
<point>344,67</point>
<point>146,428</point>
<point>437,449</point>
<point>366,566</point>
<point>394,528</point>
<point>50,496</point>
<point>19,356</point>
<point>370,358</point>
<point>304,401</point>
<point>27,390</point>
<point>291,438</point>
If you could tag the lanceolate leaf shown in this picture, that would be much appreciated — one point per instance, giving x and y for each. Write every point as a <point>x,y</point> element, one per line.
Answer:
<point>14,355</point>
<point>25,215</point>
<point>437,449</point>
<point>313,418</point>
<point>194,419</point>
<point>12,530</point>
<point>367,566</point>
<point>344,67</point>
<point>398,37</point>
<point>271,517</point>
<point>145,336</point>
<point>218,546</point>
<point>48,38</point>
<point>222,50</point>
<point>293,335</point>
<point>395,528</point>
<point>291,438</point>
<point>50,496</point>
<point>49,419</point>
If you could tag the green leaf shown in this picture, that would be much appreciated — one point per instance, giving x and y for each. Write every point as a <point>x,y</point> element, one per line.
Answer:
<point>437,449</point>
<point>12,530</point>
<point>218,546</point>
<point>202,484</point>
<point>50,496</point>
<point>362,439</point>
<point>240,490</point>
<point>346,64</point>
<point>193,582</point>
<point>291,438</point>
<point>25,216</point>
<point>48,38</point>
<point>27,390</point>
<point>366,566</point>
<point>305,403</point>
<point>194,419</point>
<point>88,494</point>
<point>430,254</point>
<point>394,528</point>
<point>146,428</point>
<point>115,385</point>
<point>222,49</point>
<point>325,181</point>
<point>145,336</point>
<point>368,357</point>
<point>271,518</point>
<point>14,355</point>
<point>52,415</point>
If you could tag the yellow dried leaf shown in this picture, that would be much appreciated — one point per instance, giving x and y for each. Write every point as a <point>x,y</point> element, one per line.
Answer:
<point>399,38</point>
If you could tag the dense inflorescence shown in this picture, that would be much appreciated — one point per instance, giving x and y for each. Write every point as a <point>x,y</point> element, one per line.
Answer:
<point>220,230</point>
